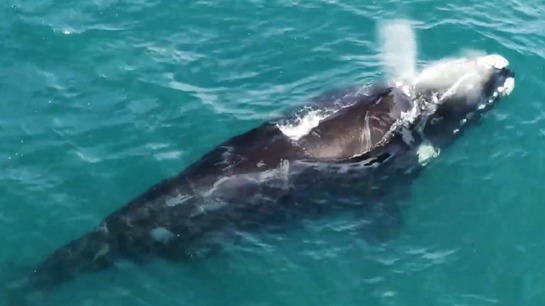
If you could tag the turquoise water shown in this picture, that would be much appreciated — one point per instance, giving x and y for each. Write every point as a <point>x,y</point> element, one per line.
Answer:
<point>101,99</point>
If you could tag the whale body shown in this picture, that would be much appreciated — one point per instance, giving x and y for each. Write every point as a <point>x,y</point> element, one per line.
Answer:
<point>372,140</point>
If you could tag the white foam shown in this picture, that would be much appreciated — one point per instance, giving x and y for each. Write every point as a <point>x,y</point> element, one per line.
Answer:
<point>303,125</point>
<point>411,115</point>
<point>426,152</point>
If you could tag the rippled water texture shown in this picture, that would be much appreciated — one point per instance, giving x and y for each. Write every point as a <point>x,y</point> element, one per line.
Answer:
<point>101,99</point>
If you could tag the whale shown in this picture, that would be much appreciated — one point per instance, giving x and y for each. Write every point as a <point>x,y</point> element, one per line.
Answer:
<point>368,142</point>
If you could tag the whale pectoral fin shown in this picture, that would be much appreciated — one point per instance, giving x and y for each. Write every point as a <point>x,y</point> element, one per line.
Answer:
<point>381,224</point>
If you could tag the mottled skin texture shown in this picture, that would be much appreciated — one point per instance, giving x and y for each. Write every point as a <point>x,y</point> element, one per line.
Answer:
<point>262,179</point>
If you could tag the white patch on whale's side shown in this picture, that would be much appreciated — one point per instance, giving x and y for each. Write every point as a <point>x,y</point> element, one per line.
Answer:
<point>161,234</point>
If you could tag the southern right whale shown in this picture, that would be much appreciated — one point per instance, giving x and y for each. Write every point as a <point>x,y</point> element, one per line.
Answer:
<point>369,140</point>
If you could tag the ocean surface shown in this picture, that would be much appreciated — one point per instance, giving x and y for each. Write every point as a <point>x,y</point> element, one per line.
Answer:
<point>102,99</point>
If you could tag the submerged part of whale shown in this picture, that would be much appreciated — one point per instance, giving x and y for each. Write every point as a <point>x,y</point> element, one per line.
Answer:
<point>363,149</point>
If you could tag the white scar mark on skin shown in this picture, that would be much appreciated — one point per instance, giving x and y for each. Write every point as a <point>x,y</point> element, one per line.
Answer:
<point>207,207</point>
<point>103,251</point>
<point>455,86</point>
<point>177,200</point>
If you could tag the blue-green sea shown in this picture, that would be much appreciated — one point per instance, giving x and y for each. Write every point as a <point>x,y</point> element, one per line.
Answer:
<point>102,99</point>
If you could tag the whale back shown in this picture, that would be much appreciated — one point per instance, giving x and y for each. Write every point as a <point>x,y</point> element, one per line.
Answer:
<point>356,129</point>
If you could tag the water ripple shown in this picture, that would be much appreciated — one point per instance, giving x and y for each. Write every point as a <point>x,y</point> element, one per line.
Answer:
<point>104,98</point>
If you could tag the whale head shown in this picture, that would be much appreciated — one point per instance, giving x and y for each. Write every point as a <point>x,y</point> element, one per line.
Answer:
<point>453,94</point>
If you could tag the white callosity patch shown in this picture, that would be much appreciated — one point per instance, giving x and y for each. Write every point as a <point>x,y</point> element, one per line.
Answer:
<point>508,87</point>
<point>161,234</point>
<point>493,60</point>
